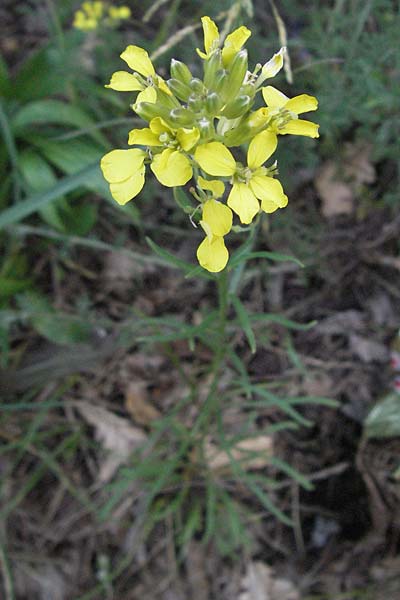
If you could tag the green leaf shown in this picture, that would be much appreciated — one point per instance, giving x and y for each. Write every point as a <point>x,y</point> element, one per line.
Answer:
<point>72,155</point>
<point>22,209</point>
<point>41,75</point>
<point>79,219</point>
<point>59,328</point>
<point>244,321</point>
<point>39,176</point>
<point>274,256</point>
<point>270,318</point>
<point>10,286</point>
<point>384,419</point>
<point>176,262</point>
<point>43,112</point>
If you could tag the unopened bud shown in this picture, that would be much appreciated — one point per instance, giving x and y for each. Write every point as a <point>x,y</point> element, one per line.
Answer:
<point>167,100</point>
<point>179,89</point>
<point>237,107</point>
<point>180,71</point>
<point>211,67</point>
<point>182,117</point>
<point>197,85</point>
<point>237,74</point>
<point>148,111</point>
<point>206,128</point>
<point>195,103</point>
<point>213,104</point>
<point>220,81</point>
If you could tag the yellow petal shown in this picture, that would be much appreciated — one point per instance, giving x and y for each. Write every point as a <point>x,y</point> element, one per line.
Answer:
<point>211,34</point>
<point>138,60</point>
<point>124,191</point>
<point>216,187</point>
<point>143,137</point>
<point>148,95</point>
<point>243,202</point>
<point>301,104</point>
<point>163,86</point>
<point>121,81</point>
<point>212,254</point>
<point>260,149</point>
<point>188,138</point>
<point>300,127</point>
<point>274,97</point>
<point>218,217</point>
<point>158,126</point>
<point>215,159</point>
<point>274,65</point>
<point>119,165</point>
<point>234,43</point>
<point>171,168</point>
<point>269,191</point>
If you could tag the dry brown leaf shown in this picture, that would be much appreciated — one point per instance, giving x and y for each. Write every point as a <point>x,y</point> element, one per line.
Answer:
<point>115,434</point>
<point>260,583</point>
<point>357,165</point>
<point>137,404</point>
<point>337,197</point>
<point>368,350</point>
<point>242,451</point>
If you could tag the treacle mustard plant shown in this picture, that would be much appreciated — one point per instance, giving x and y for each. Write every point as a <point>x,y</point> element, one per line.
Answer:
<point>193,123</point>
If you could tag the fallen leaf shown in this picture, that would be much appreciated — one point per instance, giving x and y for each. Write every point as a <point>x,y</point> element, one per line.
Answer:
<point>260,583</point>
<point>337,197</point>
<point>137,404</point>
<point>254,453</point>
<point>115,434</point>
<point>368,350</point>
<point>357,165</point>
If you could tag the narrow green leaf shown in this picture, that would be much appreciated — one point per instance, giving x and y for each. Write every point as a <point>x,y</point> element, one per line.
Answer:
<point>244,320</point>
<point>19,211</point>
<point>270,318</point>
<point>174,261</point>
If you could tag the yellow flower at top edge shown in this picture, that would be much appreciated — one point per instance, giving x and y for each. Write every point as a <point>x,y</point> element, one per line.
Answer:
<point>139,61</point>
<point>285,113</point>
<point>232,45</point>
<point>251,184</point>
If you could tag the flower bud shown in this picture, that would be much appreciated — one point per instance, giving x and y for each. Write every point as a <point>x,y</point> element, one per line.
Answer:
<point>182,117</point>
<point>237,107</point>
<point>220,81</point>
<point>197,85</point>
<point>179,89</point>
<point>213,104</point>
<point>180,72</point>
<point>195,103</point>
<point>167,100</point>
<point>211,67</point>
<point>148,111</point>
<point>206,128</point>
<point>237,74</point>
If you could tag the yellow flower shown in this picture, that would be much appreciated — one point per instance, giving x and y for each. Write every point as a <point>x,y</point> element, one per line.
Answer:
<point>273,66</point>
<point>171,167</point>
<point>284,112</point>
<point>88,18</point>
<point>143,79</point>
<point>232,45</point>
<point>216,222</point>
<point>214,186</point>
<point>119,12</point>
<point>124,171</point>
<point>251,183</point>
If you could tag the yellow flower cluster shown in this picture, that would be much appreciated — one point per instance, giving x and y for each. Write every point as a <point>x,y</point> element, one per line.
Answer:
<point>93,14</point>
<point>193,123</point>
